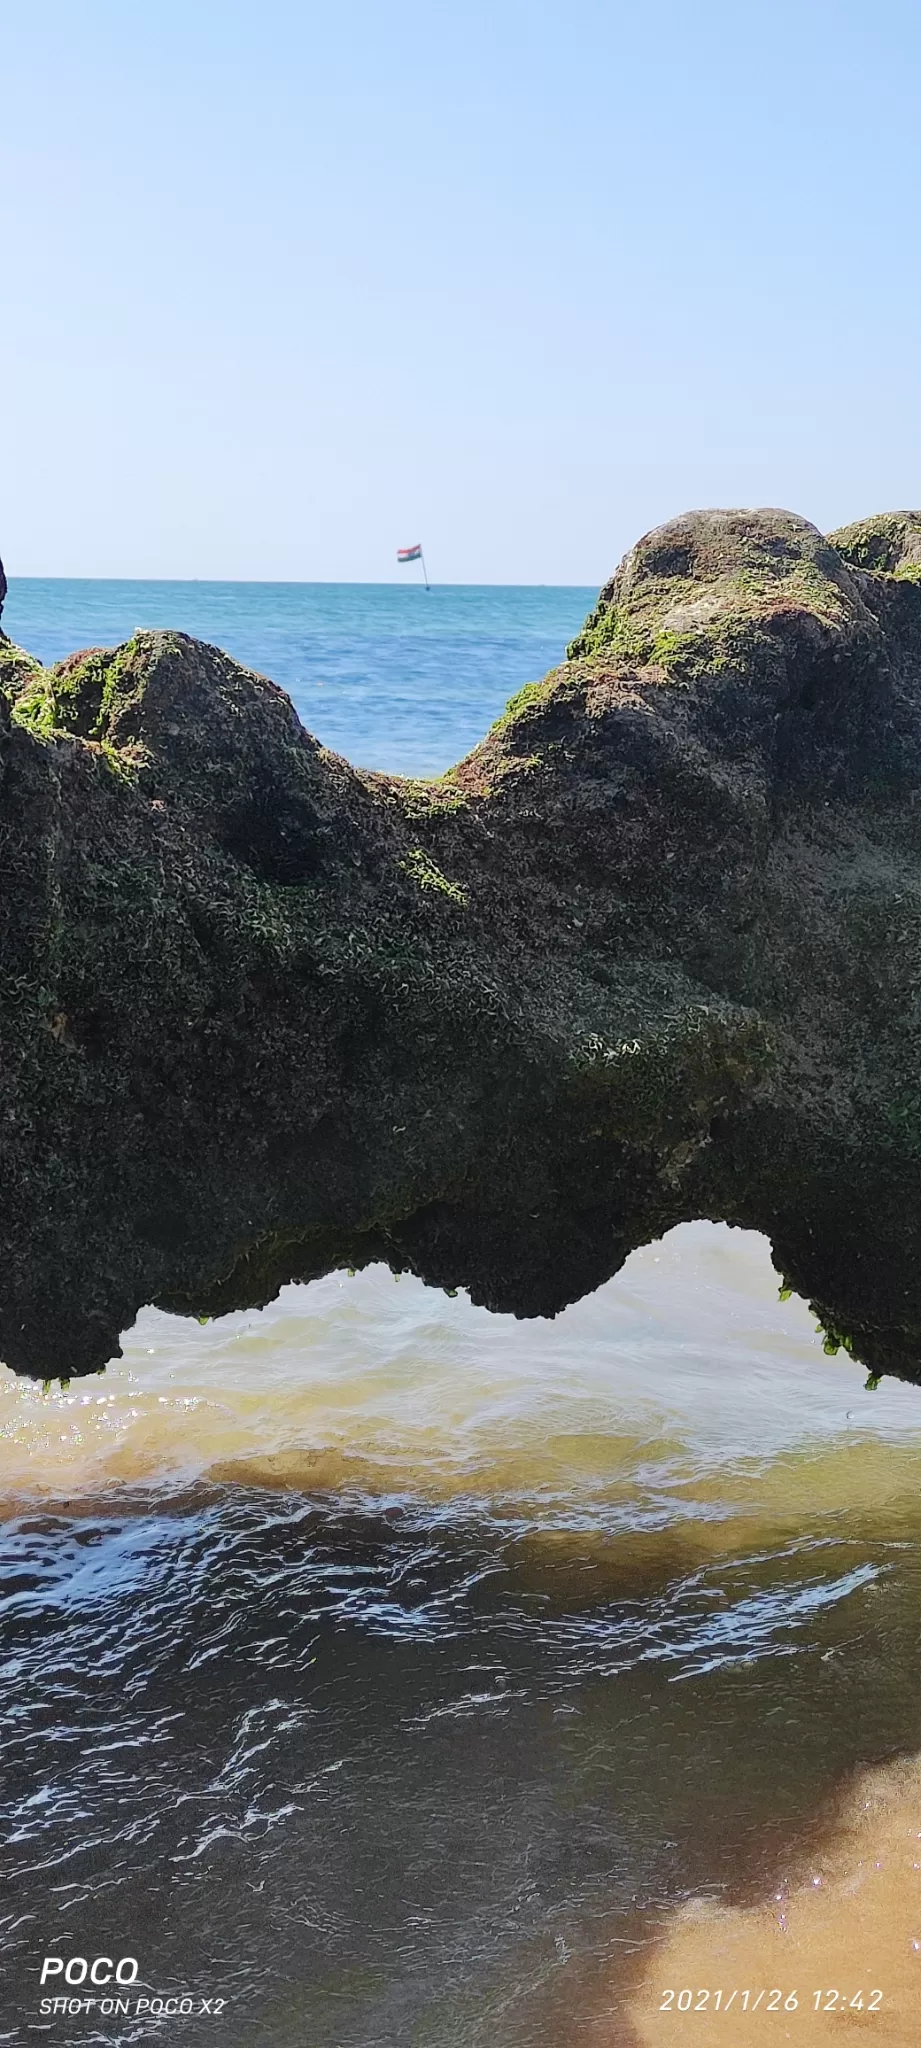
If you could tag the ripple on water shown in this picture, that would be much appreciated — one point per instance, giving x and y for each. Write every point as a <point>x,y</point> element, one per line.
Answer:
<point>433,1669</point>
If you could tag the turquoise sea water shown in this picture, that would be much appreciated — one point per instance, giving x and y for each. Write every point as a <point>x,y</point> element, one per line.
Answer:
<point>390,675</point>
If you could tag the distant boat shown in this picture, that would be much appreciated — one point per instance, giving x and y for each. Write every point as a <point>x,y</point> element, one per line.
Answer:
<point>414,554</point>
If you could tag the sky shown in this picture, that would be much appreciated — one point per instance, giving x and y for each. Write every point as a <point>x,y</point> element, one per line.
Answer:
<point>287,287</point>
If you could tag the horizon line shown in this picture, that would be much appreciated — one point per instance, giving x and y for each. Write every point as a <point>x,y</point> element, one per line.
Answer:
<point>303,582</point>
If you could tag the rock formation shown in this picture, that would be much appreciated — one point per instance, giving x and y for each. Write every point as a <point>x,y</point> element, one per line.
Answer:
<point>651,952</point>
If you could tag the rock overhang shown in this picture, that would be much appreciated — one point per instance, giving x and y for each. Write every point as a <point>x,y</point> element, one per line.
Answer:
<point>651,952</point>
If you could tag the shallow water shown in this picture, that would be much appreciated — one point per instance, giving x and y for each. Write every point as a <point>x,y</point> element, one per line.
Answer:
<point>400,1674</point>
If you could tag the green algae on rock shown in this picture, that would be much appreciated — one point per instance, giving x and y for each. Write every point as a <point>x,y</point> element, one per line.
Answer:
<point>891,543</point>
<point>651,952</point>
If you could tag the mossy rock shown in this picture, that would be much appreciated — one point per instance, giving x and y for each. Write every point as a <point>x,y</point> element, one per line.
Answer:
<point>652,951</point>
<point>889,544</point>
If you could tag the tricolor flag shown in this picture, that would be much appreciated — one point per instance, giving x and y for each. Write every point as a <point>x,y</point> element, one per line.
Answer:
<point>414,554</point>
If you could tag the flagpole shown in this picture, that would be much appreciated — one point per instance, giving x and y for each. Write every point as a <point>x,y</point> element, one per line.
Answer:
<point>424,569</point>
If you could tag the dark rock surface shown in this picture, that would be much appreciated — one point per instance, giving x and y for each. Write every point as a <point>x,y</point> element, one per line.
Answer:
<point>651,952</point>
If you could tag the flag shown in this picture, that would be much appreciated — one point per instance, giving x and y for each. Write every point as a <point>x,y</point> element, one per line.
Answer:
<point>410,554</point>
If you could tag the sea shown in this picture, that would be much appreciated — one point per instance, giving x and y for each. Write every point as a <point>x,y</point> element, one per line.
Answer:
<point>391,675</point>
<point>377,1672</point>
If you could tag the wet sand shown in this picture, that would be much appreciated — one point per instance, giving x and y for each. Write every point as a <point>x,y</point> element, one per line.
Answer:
<point>843,1938</point>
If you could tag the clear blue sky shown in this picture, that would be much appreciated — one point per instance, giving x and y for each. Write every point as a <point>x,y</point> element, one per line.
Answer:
<point>287,285</point>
